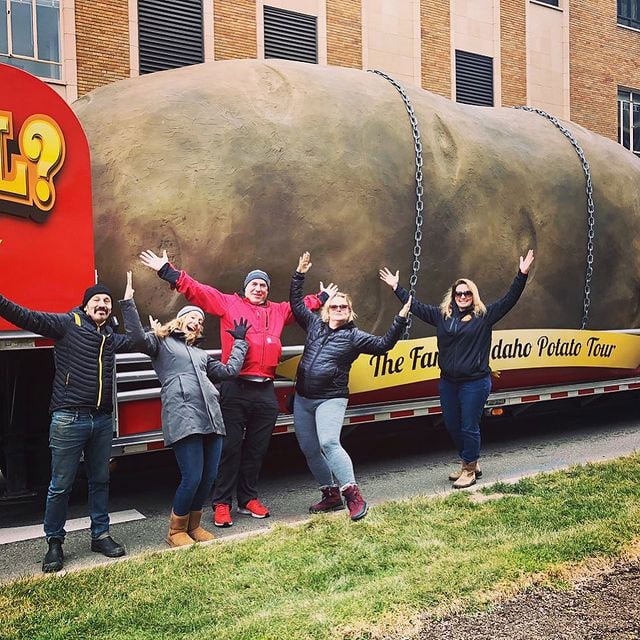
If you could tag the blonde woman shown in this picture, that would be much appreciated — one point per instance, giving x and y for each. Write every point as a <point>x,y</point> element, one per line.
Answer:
<point>322,388</point>
<point>463,326</point>
<point>192,422</point>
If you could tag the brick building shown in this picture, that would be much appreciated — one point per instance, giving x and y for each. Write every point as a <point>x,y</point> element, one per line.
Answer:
<point>577,59</point>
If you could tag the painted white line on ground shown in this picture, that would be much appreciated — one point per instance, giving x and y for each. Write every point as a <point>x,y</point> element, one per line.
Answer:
<point>16,534</point>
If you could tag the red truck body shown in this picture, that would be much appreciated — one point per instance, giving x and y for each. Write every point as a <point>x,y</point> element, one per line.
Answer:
<point>45,197</point>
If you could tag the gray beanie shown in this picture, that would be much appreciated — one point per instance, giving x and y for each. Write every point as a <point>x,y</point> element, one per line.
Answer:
<point>188,309</point>
<point>259,275</point>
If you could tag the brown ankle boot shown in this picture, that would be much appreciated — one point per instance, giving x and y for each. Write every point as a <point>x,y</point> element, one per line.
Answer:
<point>195,530</point>
<point>467,476</point>
<point>178,536</point>
<point>454,475</point>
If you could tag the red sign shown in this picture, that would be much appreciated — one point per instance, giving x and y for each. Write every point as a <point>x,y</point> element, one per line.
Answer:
<point>46,225</point>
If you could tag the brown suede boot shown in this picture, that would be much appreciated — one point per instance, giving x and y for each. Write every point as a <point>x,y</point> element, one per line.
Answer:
<point>178,536</point>
<point>195,530</point>
<point>467,476</point>
<point>454,475</point>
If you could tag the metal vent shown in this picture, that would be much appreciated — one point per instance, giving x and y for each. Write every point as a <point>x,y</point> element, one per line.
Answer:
<point>474,79</point>
<point>170,34</point>
<point>289,35</point>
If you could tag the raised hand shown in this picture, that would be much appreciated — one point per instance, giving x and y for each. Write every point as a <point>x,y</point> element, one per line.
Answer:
<point>153,261</point>
<point>240,329</point>
<point>404,312</point>
<point>153,323</point>
<point>304,263</point>
<point>331,289</point>
<point>129,290</point>
<point>388,277</point>
<point>525,263</point>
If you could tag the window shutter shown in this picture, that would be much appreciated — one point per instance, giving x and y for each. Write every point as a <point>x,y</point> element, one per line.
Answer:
<point>290,35</point>
<point>474,79</point>
<point>170,34</point>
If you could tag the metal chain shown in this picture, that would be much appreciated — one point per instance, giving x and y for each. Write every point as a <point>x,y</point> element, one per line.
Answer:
<point>417,247</point>
<point>590,208</point>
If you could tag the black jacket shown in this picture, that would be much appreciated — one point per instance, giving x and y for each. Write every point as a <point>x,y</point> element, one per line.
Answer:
<point>323,371</point>
<point>463,347</point>
<point>84,355</point>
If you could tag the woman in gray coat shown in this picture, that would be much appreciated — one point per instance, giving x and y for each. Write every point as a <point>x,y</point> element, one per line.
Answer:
<point>191,418</point>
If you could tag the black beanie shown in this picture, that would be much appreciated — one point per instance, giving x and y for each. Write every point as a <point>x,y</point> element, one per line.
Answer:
<point>93,291</point>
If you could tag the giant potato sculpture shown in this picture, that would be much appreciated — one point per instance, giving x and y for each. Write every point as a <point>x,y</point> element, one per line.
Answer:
<point>243,164</point>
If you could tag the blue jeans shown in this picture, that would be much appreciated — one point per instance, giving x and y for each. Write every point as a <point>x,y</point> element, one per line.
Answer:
<point>462,405</point>
<point>318,424</point>
<point>71,433</point>
<point>198,457</point>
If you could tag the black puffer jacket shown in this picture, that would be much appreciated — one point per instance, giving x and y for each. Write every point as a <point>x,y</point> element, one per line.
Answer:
<point>323,371</point>
<point>84,355</point>
<point>464,340</point>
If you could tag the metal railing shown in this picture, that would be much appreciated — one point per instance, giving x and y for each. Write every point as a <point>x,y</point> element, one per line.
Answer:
<point>147,374</point>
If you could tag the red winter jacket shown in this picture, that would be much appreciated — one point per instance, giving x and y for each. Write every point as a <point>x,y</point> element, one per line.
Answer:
<point>267,322</point>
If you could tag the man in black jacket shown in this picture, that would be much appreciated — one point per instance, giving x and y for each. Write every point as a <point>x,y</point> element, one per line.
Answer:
<point>81,408</point>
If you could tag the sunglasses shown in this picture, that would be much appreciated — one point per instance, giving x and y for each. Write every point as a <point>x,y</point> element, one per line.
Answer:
<point>464,294</point>
<point>341,307</point>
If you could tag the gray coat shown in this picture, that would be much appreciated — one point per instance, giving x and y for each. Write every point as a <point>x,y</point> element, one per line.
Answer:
<point>190,402</point>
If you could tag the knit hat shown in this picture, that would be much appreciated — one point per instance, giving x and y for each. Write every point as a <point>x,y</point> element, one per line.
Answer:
<point>188,309</point>
<point>257,274</point>
<point>94,291</point>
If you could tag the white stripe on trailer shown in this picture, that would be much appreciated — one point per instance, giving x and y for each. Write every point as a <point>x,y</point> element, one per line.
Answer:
<point>496,400</point>
<point>415,408</point>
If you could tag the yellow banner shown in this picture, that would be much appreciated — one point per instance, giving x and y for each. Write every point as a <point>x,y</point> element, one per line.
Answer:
<point>417,360</point>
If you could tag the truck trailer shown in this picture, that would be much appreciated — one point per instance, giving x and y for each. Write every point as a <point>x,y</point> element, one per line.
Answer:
<point>59,235</point>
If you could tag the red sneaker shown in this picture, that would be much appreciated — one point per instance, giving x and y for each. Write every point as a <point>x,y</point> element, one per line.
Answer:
<point>255,509</point>
<point>222,515</point>
<point>355,502</point>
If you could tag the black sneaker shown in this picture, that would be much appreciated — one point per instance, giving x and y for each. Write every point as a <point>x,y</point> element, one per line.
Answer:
<point>108,547</point>
<point>54,558</point>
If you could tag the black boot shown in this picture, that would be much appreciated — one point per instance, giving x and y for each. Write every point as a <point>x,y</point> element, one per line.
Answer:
<point>108,547</point>
<point>54,558</point>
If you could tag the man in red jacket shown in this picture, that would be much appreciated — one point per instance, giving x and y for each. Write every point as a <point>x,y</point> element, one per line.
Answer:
<point>249,404</point>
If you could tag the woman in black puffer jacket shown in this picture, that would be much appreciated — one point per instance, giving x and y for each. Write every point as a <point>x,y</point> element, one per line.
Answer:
<point>322,388</point>
<point>463,326</point>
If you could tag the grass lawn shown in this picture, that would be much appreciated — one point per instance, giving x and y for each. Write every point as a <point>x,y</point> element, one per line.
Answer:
<point>330,578</point>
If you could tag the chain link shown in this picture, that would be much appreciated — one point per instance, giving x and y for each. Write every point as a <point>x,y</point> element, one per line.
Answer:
<point>417,144</point>
<point>591,209</point>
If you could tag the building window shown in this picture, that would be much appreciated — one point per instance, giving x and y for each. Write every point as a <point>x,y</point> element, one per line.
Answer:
<point>629,13</point>
<point>629,120</point>
<point>30,36</point>
<point>553,3</point>
<point>170,34</point>
<point>290,35</point>
<point>474,79</point>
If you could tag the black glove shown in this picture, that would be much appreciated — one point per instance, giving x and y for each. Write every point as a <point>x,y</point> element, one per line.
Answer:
<point>240,329</point>
<point>169,273</point>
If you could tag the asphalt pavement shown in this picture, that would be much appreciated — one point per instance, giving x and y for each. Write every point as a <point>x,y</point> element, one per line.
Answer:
<point>392,461</point>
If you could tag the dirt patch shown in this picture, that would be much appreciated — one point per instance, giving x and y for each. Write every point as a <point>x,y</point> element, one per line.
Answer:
<point>602,607</point>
